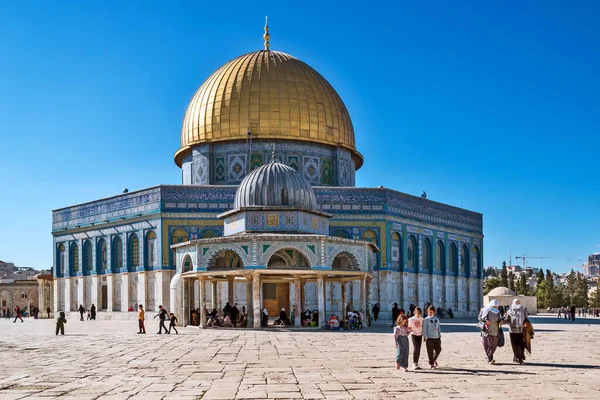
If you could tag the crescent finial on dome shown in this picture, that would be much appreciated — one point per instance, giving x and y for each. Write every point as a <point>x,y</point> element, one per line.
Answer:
<point>266,36</point>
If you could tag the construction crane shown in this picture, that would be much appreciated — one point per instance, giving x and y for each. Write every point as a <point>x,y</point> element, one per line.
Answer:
<point>525,257</point>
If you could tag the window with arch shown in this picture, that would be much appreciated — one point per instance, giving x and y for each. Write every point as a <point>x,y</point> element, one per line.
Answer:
<point>179,235</point>
<point>464,259</point>
<point>288,258</point>
<point>396,248</point>
<point>411,252</point>
<point>345,260</point>
<point>117,254</point>
<point>476,267</point>
<point>440,256</point>
<point>187,264</point>
<point>207,234</point>
<point>74,258</point>
<point>226,259</point>
<point>340,234</point>
<point>369,236</point>
<point>134,251</point>
<point>453,258</point>
<point>88,262</point>
<point>151,249</point>
<point>426,254</point>
<point>101,255</point>
<point>60,258</point>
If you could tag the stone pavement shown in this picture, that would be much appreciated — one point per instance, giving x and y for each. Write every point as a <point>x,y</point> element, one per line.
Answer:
<point>108,360</point>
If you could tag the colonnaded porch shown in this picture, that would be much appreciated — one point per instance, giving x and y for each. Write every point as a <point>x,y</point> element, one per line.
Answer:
<point>274,289</point>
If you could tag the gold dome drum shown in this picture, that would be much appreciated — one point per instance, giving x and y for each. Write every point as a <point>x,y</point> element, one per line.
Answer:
<point>272,95</point>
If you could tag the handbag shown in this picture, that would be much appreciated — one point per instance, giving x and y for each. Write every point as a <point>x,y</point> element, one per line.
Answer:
<point>500,337</point>
<point>481,326</point>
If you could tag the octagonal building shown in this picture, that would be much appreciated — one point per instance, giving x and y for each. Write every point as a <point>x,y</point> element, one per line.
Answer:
<point>241,218</point>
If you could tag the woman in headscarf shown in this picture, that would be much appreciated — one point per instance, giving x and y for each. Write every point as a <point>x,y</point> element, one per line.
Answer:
<point>515,317</point>
<point>490,316</point>
<point>264,318</point>
<point>283,318</point>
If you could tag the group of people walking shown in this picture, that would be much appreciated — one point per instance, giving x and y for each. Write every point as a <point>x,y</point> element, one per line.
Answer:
<point>421,330</point>
<point>519,327</point>
<point>162,315</point>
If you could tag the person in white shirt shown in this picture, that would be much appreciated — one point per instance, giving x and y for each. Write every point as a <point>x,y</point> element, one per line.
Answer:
<point>415,324</point>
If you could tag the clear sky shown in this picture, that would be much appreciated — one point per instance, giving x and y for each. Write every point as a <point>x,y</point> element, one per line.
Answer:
<point>490,106</point>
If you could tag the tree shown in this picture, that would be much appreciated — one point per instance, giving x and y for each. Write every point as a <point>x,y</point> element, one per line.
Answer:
<point>489,284</point>
<point>550,292</point>
<point>540,293</point>
<point>490,271</point>
<point>540,276</point>
<point>522,287</point>
<point>511,281</point>
<point>530,273</point>
<point>504,275</point>
<point>570,287</point>
<point>594,299</point>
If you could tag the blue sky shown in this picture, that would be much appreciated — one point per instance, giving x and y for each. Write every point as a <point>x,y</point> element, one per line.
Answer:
<point>492,106</point>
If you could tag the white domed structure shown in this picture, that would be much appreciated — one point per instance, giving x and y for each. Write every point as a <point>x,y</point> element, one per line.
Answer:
<point>502,291</point>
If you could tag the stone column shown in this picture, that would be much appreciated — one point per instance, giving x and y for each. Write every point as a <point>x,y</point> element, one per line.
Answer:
<point>249,302</point>
<point>41,297</point>
<point>95,290</point>
<point>256,300</point>
<point>202,295</point>
<point>110,287</point>
<point>230,280</point>
<point>368,295</point>
<point>363,297</point>
<point>160,290</point>
<point>67,295</point>
<point>56,295</point>
<point>125,293</point>
<point>298,301</point>
<point>321,299</point>
<point>214,294</point>
<point>81,291</point>
<point>344,302</point>
<point>141,286</point>
<point>302,293</point>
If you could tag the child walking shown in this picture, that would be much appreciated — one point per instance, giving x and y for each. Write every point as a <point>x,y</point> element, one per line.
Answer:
<point>415,325</point>
<point>141,316</point>
<point>401,332</point>
<point>433,337</point>
<point>172,322</point>
<point>60,323</point>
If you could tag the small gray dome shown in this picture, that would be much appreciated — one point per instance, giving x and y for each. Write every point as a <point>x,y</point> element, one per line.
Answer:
<point>275,184</point>
<point>501,291</point>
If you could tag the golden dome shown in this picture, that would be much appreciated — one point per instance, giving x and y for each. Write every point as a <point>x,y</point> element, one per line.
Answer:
<point>272,94</point>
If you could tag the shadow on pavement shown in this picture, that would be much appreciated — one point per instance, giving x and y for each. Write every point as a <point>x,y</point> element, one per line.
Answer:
<point>473,371</point>
<point>573,366</point>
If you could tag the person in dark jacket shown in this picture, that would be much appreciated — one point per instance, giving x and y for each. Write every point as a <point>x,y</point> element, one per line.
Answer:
<point>395,313</point>
<point>60,323</point>
<point>172,323</point>
<point>93,312</point>
<point>162,316</point>
<point>18,314</point>
<point>376,310</point>
<point>81,311</point>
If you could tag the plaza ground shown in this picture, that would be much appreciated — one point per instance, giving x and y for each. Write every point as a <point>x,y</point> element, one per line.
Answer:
<point>108,360</point>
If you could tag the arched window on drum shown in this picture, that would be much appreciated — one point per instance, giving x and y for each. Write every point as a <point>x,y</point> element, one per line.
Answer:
<point>476,267</point>
<point>151,256</point>
<point>74,258</point>
<point>411,252</point>
<point>440,257</point>
<point>464,260</point>
<point>60,259</point>
<point>426,255</point>
<point>179,235</point>
<point>396,249</point>
<point>452,259</point>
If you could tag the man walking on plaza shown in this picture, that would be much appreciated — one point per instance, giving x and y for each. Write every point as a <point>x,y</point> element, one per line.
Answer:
<point>81,311</point>
<point>141,317</point>
<point>18,314</point>
<point>162,315</point>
